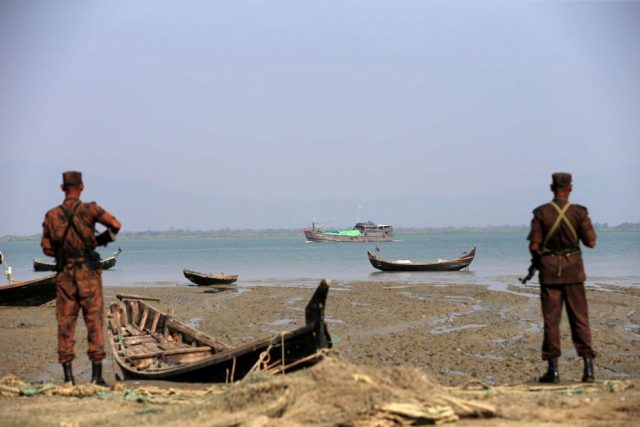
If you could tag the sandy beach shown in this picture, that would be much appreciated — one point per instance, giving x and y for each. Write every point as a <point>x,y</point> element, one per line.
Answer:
<point>455,335</point>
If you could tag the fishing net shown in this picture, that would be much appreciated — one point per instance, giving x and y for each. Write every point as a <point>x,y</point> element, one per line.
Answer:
<point>333,392</point>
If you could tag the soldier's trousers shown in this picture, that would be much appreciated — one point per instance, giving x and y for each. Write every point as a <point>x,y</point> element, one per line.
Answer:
<point>78,287</point>
<point>574,298</point>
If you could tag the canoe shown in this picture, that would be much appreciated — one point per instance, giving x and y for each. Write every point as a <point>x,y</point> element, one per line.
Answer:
<point>46,265</point>
<point>149,344</point>
<point>205,279</point>
<point>30,292</point>
<point>459,263</point>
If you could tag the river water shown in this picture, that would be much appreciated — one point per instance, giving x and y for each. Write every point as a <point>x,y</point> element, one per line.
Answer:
<point>501,258</point>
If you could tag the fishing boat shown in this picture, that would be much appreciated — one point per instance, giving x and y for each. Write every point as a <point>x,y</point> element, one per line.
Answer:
<point>361,232</point>
<point>454,264</point>
<point>30,292</point>
<point>205,279</point>
<point>46,265</point>
<point>149,344</point>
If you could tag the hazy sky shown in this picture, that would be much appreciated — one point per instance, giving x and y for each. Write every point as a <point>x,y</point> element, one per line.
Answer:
<point>294,102</point>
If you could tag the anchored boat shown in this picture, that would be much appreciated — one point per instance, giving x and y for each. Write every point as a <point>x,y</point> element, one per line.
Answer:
<point>46,265</point>
<point>361,232</point>
<point>454,264</point>
<point>205,279</point>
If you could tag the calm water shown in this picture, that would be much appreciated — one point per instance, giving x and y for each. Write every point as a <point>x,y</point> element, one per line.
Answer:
<point>500,259</point>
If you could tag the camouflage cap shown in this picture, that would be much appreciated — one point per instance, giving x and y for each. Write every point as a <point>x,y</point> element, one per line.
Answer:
<point>72,178</point>
<point>561,179</point>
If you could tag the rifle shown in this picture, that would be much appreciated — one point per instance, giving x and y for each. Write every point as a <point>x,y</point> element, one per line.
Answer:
<point>535,265</point>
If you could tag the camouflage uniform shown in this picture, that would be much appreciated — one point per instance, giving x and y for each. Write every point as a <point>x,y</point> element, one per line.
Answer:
<point>562,274</point>
<point>79,281</point>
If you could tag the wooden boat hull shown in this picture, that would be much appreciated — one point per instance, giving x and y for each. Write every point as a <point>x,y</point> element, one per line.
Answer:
<point>149,344</point>
<point>43,265</point>
<point>46,265</point>
<point>445,265</point>
<point>315,236</point>
<point>203,279</point>
<point>28,293</point>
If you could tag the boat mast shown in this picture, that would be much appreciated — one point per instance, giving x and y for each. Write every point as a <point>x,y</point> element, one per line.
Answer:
<point>358,212</point>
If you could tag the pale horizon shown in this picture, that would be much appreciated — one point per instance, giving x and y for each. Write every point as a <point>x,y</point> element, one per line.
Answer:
<point>254,115</point>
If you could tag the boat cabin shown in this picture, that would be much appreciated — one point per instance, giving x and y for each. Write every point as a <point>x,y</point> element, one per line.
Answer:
<point>370,226</point>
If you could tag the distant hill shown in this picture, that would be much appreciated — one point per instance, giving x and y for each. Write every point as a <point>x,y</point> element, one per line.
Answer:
<point>142,205</point>
<point>226,233</point>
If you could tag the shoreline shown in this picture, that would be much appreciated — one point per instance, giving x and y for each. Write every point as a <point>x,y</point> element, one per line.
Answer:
<point>454,335</point>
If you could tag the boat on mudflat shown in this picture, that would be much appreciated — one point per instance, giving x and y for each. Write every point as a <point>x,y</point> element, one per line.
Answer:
<point>454,264</point>
<point>361,232</point>
<point>206,279</point>
<point>149,344</point>
<point>46,265</point>
<point>29,292</point>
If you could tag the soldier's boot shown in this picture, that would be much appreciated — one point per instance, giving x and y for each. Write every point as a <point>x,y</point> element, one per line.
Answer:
<point>68,373</point>
<point>587,375</point>
<point>552,375</point>
<point>96,375</point>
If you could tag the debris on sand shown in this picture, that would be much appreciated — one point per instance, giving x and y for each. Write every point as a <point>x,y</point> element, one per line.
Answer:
<point>333,392</point>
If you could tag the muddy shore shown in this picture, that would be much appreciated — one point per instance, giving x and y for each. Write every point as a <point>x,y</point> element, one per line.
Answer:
<point>455,334</point>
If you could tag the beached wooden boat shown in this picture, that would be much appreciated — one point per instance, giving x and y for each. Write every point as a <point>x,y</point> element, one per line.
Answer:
<point>205,279</point>
<point>46,265</point>
<point>459,263</point>
<point>362,232</point>
<point>30,292</point>
<point>149,344</point>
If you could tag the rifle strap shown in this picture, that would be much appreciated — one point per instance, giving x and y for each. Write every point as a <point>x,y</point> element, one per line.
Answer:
<point>72,224</point>
<point>561,217</point>
<point>69,222</point>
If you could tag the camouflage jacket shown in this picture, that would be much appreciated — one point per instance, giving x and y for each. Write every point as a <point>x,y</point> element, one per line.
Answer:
<point>84,215</point>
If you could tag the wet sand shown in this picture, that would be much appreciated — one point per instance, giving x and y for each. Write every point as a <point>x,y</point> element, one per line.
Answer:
<point>455,334</point>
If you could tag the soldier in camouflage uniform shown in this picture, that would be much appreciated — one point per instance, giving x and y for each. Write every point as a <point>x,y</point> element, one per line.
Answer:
<point>68,234</point>
<point>556,231</point>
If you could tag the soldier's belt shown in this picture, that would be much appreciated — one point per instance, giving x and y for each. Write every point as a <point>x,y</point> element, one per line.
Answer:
<point>558,254</point>
<point>561,253</point>
<point>72,255</point>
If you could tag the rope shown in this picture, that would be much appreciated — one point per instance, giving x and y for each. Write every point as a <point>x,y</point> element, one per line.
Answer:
<point>233,369</point>
<point>283,333</point>
<point>263,356</point>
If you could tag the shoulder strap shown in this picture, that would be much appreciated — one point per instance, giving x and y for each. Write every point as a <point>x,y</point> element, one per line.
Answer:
<point>561,217</point>
<point>72,224</point>
<point>69,222</point>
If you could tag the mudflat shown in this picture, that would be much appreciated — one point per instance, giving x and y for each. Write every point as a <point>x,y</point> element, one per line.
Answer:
<point>459,336</point>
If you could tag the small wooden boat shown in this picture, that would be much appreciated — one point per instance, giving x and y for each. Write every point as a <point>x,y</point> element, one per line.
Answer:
<point>107,263</point>
<point>204,279</point>
<point>46,265</point>
<point>459,263</point>
<point>149,344</point>
<point>30,292</point>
